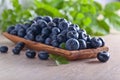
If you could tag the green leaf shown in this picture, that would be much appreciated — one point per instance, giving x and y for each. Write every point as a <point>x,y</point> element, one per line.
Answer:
<point>99,28</point>
<point>113,6</point>
<point>115,22</point>
<point>45,7</point>
<point>59,59</point>
<point>87,21</point>
<point>97,5</point>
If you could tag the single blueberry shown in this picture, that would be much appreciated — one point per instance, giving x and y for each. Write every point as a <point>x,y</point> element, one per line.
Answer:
<point>9,29</point>
<point>51,25</point>
<point>3,49</point>
<point>62,19</point>
<point>16,51</point>
<point>63,25</point>
<point>13,32</point>
<point>47,18</point>
<point>30,37</point>
<point>30,53</point>
<point>72,34</point>
<point>38,18</point>
<point>61,38</point>
<point>46,31</point>
<point>19,26</point>
<point>82,35</point>
<point>55,43</point>
<point>26,26</point>
<point>72,44</point>
<point>103,56</point>
<point>48,41</point>
<point>82,43</point>
<point>56,20</point>
<point>55,30</point>
<point>20,45</point>
<point>43,55</point>
<point>96,42</point>
<point>21,33</point>
<point>71,28</point>
<point>40,38</point>
<point>103,43</point>
<point>53,37</point>
<point>64,32</point>
<point>42,23</point>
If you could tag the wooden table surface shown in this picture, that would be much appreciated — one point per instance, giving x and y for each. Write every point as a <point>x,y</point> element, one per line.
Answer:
<point>18,67</point>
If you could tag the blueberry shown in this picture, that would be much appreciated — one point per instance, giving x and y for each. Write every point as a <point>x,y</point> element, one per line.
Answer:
<point>30,53</point>
<point>13,32</point>
<point>20,45</point>
<point>103,56</point>
<point>95,42</point>
<point>77,27</point>
<point>3,49</point>
<point>16,51</point>
<point>30,31</point>
<point>53,37</point>
<point>30,37</point>
<point>47,19</point>
<point>89,45</point>
<point>51,24</point>
<point>82,35</point>
<point>55,30</point>
<point>19,26</point>
<point>103,43</point>
<point>55,43</point>
<point>56,20</point>
<point>43,55</point>
<point>71,28</point>
<point>88,38</point>
<point>72,44</point>
<point>63,25</point>
<point>35,28</point>
<point>40,38</point>
<point>26,26</point>
<point>72,34</point>
<point>64,32</point>
<point>38,18</point>
<point>48,41</point>
<point>46,31</point>
<point>9,29</point>
<point>62,19</point>
<point>61,38</point>
<point>42,23</point>
<point>82,43</point>
<point>21,33</point>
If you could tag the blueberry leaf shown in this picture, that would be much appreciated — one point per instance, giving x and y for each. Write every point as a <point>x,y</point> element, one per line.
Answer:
<point>59,59</point>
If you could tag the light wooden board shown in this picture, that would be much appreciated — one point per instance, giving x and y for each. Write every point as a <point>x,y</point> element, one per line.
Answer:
<point>18,67</point>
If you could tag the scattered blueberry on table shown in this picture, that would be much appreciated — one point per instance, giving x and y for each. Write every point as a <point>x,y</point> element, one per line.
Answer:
<point>3,49</point>
<point>103,56</point>
<point>30,53</point>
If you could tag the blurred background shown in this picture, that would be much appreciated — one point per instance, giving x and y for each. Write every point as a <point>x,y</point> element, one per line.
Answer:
<point>97,17</point>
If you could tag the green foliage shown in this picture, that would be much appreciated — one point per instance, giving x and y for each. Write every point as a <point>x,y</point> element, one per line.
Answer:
<point>81,12</point>
<point>14,16</point>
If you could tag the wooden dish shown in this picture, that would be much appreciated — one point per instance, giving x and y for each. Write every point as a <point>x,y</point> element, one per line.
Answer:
<point>71,55</point>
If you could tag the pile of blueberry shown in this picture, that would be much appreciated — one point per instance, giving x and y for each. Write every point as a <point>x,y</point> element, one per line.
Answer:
<point>57,32</point>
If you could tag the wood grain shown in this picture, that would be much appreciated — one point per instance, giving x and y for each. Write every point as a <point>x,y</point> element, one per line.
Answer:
<point>71,55</point>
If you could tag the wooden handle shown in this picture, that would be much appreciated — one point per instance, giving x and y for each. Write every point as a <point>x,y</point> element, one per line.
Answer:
<point>71,55</point>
